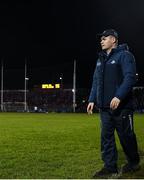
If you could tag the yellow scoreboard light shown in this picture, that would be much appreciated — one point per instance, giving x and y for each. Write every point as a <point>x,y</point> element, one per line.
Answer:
<point>50,86</point>
<point>57,86</point>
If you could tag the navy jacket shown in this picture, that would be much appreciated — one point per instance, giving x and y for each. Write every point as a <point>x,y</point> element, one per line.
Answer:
<point>114,76</point>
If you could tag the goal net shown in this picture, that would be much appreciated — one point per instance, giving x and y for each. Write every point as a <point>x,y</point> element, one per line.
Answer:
<point>13,101</point>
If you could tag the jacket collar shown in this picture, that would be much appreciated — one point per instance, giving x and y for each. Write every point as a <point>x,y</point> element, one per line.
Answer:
<point>119,48</point>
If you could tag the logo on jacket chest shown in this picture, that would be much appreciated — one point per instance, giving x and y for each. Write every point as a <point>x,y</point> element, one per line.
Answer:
<point>113,62</point>
<point>98,63</point>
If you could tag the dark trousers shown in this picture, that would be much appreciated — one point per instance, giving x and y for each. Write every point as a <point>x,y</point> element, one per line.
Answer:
<point>122,122</point>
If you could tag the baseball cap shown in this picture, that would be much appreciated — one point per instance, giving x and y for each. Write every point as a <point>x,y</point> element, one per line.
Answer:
<point>109,32</point>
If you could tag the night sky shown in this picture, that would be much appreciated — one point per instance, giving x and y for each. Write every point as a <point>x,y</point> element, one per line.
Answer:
<point>51,35</point>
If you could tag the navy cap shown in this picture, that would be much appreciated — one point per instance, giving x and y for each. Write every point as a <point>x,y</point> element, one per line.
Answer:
<point>109,32</point>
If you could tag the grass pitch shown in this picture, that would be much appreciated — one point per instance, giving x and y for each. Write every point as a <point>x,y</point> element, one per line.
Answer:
<point>46,146</point>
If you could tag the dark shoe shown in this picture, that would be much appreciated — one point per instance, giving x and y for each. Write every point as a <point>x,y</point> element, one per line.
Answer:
<point>130,168</point>
<point>104,172</point>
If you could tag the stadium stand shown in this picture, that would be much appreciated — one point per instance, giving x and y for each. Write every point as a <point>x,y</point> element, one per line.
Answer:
<point>57,100</point>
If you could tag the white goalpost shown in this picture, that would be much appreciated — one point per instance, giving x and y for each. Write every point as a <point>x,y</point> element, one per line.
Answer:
<point>13,100</point>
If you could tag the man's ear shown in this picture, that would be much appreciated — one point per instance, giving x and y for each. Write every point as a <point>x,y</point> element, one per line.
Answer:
<point>114,39</point>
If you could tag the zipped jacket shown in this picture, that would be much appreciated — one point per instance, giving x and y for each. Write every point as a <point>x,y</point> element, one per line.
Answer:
<point>114,76</point>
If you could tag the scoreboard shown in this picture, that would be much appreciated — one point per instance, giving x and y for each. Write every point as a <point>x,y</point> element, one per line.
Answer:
<point>51,86</point>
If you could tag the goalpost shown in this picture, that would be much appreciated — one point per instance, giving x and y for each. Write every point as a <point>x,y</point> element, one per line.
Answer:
<point>14,104</point>
<point>19,100</point>
<point>14,101</point>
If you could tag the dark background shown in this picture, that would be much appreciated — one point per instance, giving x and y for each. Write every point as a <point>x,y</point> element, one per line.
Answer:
<point>51,35</point>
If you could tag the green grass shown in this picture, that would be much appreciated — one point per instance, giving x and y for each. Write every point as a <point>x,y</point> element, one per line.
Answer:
<point>44,146</point>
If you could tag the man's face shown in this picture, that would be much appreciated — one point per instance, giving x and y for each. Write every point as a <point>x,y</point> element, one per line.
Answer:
<point>107,42</point>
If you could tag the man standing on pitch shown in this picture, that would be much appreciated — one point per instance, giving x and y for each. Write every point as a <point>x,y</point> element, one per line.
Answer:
<point>113,80</point>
